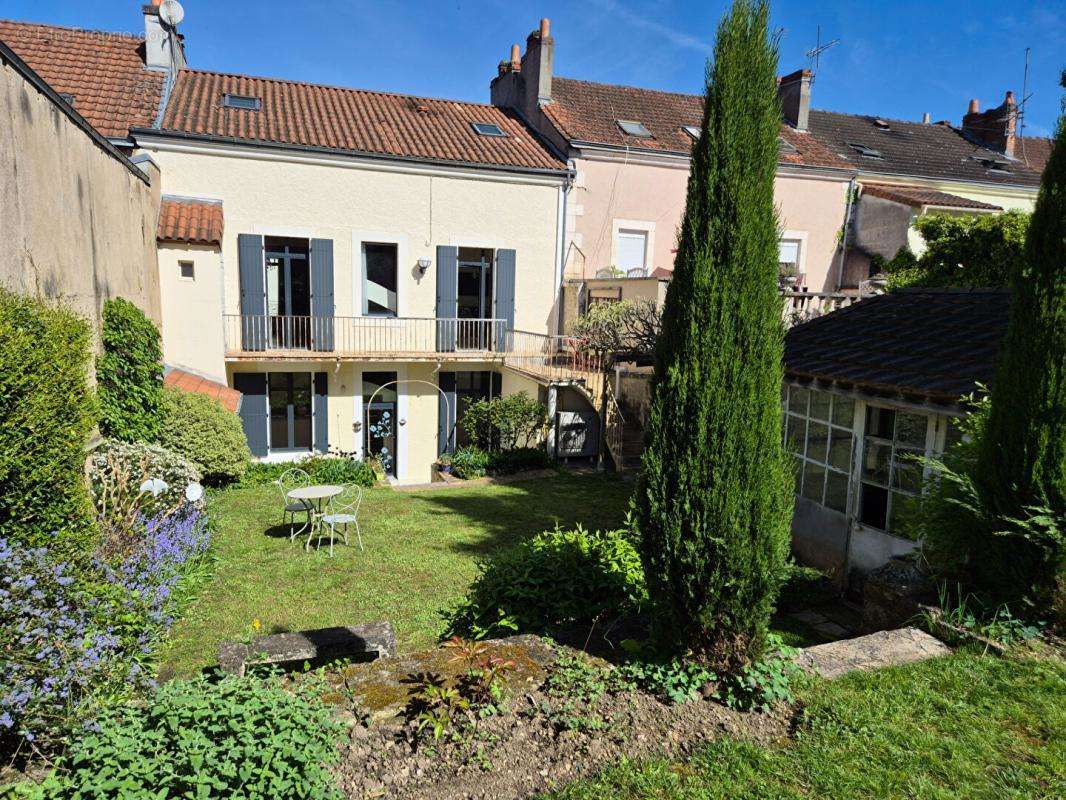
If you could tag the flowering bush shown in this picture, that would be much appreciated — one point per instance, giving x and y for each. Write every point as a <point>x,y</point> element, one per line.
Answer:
<point>117,470</point>
<point>72,639</point>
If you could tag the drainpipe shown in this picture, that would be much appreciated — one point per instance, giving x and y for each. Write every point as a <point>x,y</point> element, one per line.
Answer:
<point>560,259</point>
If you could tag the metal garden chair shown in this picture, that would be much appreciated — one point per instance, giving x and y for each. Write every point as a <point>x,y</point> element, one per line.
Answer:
<point>293,479</point>
<point>343,510</point>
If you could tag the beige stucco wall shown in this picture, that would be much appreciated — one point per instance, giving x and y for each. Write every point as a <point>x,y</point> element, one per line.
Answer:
<point>192,311</point>
<point>352,205</point>
<point>609,195</point>
<point>75,223</point>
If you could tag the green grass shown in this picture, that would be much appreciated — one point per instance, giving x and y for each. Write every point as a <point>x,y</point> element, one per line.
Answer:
<point>965,726</point>
<point>421,554</point>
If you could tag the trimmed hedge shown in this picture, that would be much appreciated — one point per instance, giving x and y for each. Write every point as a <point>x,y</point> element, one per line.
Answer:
<point>129,374</point>
<point>48,413</point>
<point>337,469</point>
<point>206,433</point>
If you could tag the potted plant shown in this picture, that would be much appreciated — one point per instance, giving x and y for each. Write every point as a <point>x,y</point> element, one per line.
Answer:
<point>444,463</point>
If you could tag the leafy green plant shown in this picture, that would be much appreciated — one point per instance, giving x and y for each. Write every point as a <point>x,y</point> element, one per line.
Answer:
<point>48,412</point>
<point>482,685</point>
<point>470,462</point>
<point>678,680</point>
<point>205,432</point>
<point>336,468</point>
<point>238,737</point>
<point>574,684</point>
<point>804,587</point>
<point>968,613</point>
<point>507,462</point>
<point>556,578</point>
<point>438,710</point>
<point>129,374</point>
<point>761,684</point>
<point>505,423</point>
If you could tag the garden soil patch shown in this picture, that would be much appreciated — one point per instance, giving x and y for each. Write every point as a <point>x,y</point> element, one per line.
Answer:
<point>520,751</point>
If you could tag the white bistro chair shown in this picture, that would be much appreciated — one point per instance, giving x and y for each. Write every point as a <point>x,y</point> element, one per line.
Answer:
<point>293,479</point>
<point>343,510</point>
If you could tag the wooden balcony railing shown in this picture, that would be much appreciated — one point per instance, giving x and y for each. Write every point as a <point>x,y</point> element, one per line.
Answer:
<point>268,335</point>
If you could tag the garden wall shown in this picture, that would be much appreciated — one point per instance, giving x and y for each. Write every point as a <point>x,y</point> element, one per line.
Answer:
<point>77,218</point>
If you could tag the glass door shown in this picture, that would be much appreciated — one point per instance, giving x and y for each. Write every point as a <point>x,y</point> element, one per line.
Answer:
<point>379,419</point>
<point>288,285</point>
<point>290,410</point>
<point>474,298</point>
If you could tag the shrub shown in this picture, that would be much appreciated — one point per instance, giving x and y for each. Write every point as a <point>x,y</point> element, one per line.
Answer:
<point>470,462</point>
<point>714,500</point>
<point>76,638</point>
<point>805,587</point>
<point>116,471</point>
<point>48,412</point>
<point>206,433</point>
<point>129,374</point>
<point>504,423</point>
<point>336,469</point>
<point>506,462</point>
<point>240,737</point>
<point>556,578</point>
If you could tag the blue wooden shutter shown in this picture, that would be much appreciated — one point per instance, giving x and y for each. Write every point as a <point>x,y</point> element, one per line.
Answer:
<point>254,413</point>
<point>447,296</point>
<point>320,409</point>
<point>254,324</point>
<point>505,292</point>
<point>446,413</point>
<point>322,306</point>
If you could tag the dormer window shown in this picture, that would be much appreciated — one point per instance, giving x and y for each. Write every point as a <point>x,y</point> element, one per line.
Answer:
<point>692,130</point>
<point>863,150</point>
<point>488,129</point>
<point>882,125</point>
<point>242,101</point>
<point>634,128</point>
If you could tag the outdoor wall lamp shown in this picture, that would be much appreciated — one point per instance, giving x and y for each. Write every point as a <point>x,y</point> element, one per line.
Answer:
<point>423,266</point>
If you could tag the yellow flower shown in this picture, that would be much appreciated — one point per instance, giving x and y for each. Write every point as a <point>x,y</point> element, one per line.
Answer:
<point>257,624</point>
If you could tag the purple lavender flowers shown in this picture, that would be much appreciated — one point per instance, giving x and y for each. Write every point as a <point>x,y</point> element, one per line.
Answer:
<point>71,635</point>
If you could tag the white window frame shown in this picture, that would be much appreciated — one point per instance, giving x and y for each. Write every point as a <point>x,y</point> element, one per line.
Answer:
<point>800,238</point>
<point>647,227</point>
<point>181,265</point>
<point>359,238</point>
<point>790,416</point>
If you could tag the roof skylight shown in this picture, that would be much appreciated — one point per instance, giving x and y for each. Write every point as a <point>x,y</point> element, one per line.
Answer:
<point>692,130</point>
<point>488,128</point>
<point>633,128</point>
<point>241,101</point>
<point>785,147</point>
<point>882,124</point>
<point>863,150</point>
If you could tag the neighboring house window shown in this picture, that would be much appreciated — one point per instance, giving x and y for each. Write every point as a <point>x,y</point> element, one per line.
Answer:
<point>818,434</point>
<point>187,270</point>
<point>692,130</point>
<point>634,128</point>
<point>788,259</point>
<point>632,250</point>
<point>892,442</point>
<point>380,279</point>
<point>242,101</point>
<point>488,129</point>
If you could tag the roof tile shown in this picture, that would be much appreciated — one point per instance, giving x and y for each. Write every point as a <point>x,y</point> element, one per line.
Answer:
<point>918,196</point>
<point>190,221</point>
<point>194,384</point>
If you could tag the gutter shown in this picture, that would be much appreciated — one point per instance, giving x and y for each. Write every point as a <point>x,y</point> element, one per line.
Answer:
<point>10,57</point>
<point>560,173</point>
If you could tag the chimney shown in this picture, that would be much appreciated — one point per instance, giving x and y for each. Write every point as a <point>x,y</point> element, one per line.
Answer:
<point>794,92</point>
<point>995,128</point>
<point>163,46</point>
<point>525,82</point>
<point>926,118</point>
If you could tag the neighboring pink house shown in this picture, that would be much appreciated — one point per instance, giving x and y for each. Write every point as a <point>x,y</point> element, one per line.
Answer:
<point>630,151</point>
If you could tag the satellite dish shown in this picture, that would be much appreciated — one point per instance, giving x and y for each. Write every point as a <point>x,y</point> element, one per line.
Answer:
<point>171,12</point>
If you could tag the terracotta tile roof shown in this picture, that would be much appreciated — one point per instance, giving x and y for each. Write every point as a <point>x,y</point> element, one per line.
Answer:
<point>583,111</point>
<point>915,149</point>
<point>353,120</point>
<point>1033,151</point>
<point>923,344</point>
<point>104,72</point>
<point>190,221</point>
<point>918,196</point>
<point>188,382</point>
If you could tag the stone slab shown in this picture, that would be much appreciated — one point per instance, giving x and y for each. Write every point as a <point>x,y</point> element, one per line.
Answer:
<point>374,639</point>
<point>882,649</point>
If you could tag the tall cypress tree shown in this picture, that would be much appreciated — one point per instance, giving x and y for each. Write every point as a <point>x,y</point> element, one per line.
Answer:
<point>1022,456</point>
<point>714,501</point>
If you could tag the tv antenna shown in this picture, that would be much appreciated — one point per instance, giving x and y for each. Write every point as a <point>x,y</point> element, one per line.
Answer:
<point>814,55</point>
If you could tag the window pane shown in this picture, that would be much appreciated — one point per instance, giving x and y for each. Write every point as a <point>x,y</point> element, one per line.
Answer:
<point>797,400</point>
<point>820,405</point>
<point>953,435</point>
<point>873,506</point>
<point>372,381</point>
<point>840,450</point>
<point>910,429</point>
<point>817,441</point>
<point>901,510</point>
<point>813,481</point>
<point>876,461</point>
<point>380,261</point>
<point>907,471</point>
<point>632,247</point>
<point>880,422</point>
<point>797,432</point>
<point>836,491</point>
<point>843,411</point>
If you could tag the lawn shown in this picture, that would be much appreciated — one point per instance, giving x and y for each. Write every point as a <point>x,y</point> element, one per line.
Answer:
<point>421,554</point>
<point>968,725</point>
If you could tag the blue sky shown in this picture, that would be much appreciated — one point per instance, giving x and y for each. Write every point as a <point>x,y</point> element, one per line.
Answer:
<point>895,59</point>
